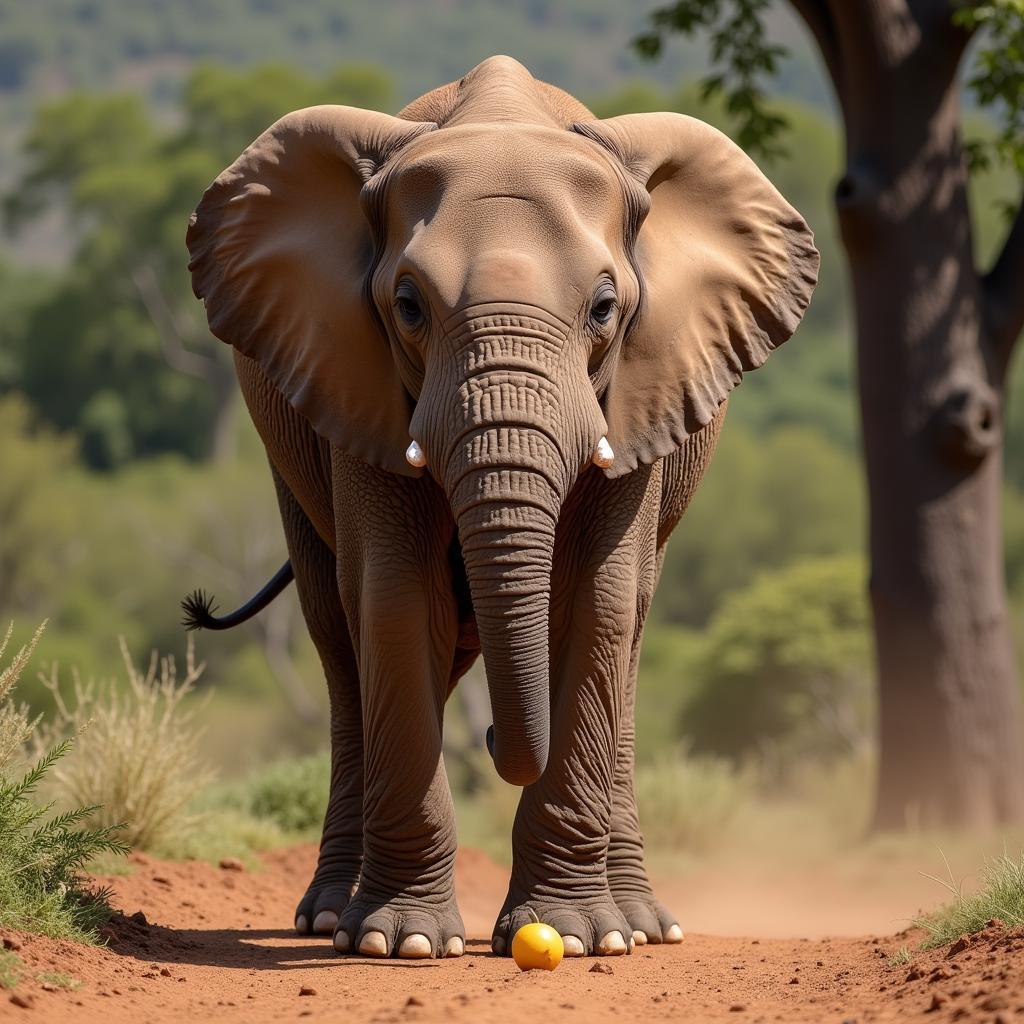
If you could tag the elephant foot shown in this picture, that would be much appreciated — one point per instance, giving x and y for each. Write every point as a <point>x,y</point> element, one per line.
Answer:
<point>588,926</point>
<point>650,922</point>
<point>326,898</point>
<point>401,927</point>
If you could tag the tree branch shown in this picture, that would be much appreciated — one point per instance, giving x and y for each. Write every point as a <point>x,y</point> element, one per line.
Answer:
<point>1003,289</point>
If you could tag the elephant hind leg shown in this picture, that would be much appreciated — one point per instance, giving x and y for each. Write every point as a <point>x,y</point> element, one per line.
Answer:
<point>341,848</point>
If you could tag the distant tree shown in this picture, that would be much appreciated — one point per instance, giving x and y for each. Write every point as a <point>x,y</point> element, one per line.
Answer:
<point>118,350</point>
<point>38,526</point>
<point>934,340</point>
<point>784,667</point>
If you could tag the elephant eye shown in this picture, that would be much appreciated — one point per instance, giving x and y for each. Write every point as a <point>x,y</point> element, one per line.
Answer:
<point>409,309</point>
<point>603,307</point>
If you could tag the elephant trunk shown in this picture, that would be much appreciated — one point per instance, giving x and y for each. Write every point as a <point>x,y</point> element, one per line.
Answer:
<point>506,516</point>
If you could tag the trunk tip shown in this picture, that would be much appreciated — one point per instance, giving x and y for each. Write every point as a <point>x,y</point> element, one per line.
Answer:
<point>517,774</point>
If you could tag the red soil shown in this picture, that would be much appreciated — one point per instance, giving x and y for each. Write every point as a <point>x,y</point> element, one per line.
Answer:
<point>211,944</point>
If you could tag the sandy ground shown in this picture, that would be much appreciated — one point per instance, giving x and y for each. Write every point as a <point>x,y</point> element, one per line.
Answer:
<point>209,944</point>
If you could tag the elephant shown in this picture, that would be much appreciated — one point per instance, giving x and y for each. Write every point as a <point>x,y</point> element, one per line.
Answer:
<point>488,345</point>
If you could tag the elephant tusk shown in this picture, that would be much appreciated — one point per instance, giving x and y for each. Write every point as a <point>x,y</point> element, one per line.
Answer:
<point>414,456</point>
<point>603,455</point>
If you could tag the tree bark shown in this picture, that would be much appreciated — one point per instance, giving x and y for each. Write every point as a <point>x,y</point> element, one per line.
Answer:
<point>932,383</point>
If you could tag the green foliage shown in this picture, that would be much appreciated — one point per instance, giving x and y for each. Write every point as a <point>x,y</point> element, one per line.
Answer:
<point>785,668</point>
<point>997,77</point>
<point>689,803</point>
<point>35,550</point>
<point>742,60</point>
<point>767,500</point>
<point>1001,896</point>
<point>138,754</point>
<point>291,793</point>
<point>41,854</point>
<point>741,55</point>
<point>117,349</point>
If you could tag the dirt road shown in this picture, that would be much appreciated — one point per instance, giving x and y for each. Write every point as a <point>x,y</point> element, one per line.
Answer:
<point>209,945</point>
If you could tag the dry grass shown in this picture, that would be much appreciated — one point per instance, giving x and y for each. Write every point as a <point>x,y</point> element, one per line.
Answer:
<point>1001,896</point>
<point>41,854</point>
<point>138,756</point>
<point>15,725</point>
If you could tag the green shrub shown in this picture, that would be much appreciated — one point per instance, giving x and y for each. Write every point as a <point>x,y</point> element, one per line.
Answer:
<point>41,855</point>
<point>689,803</point>
<point>784,673</point>
<point>292,793</point>
<point>1001,896</point>
<point>138,757</point>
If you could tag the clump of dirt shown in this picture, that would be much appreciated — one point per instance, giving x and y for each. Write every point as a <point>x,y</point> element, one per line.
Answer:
<point>195,942</point>
<point>978,978</point>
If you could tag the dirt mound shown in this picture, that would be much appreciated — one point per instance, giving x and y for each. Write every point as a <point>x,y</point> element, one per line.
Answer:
<point>195,942</point>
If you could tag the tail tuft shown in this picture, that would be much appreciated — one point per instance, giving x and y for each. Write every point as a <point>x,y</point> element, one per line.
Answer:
<point>199,611</point>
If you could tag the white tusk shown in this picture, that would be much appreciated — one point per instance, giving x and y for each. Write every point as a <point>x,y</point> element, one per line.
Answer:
<point>414,456</point>
<point>603,455</point>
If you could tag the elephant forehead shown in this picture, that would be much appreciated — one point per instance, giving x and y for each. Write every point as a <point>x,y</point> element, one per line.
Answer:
<point>562,175</point>
<point>511,213</point>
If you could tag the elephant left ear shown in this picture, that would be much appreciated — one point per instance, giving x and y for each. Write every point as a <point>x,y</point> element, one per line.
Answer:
<point>727,268</point>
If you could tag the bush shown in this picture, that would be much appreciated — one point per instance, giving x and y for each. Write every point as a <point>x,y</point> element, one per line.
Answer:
<point>40,855</point>
<point>689,803</point>
<point>293,794</point>
<point>784,672</point>
<point>138,757</point>
<point>1001,896</point>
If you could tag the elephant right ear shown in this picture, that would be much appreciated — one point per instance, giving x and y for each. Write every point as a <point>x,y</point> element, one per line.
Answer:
<point>280,249</point>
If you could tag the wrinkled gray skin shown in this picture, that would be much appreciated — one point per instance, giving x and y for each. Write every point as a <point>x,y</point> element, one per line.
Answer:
<point>505,280</point>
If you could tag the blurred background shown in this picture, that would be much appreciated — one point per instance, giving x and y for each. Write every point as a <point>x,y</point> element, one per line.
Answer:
<point>130,474</point>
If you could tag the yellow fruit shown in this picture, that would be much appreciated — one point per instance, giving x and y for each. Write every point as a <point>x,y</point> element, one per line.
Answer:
<point>537,947</point>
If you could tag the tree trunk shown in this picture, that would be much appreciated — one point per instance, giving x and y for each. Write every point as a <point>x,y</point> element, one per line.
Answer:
<point>931,393</point>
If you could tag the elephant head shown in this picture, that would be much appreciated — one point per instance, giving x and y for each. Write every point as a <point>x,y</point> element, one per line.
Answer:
<point>504,305</point>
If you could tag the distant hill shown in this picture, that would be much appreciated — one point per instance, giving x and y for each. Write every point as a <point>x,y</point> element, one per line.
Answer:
<point>51,46</point>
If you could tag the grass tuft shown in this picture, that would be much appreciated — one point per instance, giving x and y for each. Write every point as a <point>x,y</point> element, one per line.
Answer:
<point>59,979</point>
<point>10,969</point>
<point>42,853</point>
<point>1001,896</point>
<point>901,957</point>
<point>138,757</point>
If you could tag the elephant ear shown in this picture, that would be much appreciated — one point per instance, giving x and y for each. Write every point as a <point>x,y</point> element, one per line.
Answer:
<point>727,268</point>
<point>280,250</point>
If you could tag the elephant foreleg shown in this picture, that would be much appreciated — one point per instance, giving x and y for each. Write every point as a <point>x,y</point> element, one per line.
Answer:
<point>395,582</point>
<point>560,841</point>
<point>341,847</point>
<point>648,919</point>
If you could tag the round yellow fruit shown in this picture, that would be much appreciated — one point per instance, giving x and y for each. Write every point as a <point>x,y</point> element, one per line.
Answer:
<point>537,947</point>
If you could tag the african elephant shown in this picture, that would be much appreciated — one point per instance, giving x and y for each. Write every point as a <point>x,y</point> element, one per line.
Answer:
<point>488,344</point>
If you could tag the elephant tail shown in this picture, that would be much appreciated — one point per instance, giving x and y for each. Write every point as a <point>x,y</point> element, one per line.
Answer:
<point>199,607</point>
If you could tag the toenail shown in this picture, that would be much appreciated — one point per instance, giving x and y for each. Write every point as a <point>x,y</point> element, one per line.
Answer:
<point>342,943</point>
<point>572,945</point>
<point>639,937</point>
<point>416,947</point>
<point>674,934</point>
<point>613,944</point>
<point>301,925</point>
<point>455,947</point>
<point>374,944</point>
<point>325,922</point>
